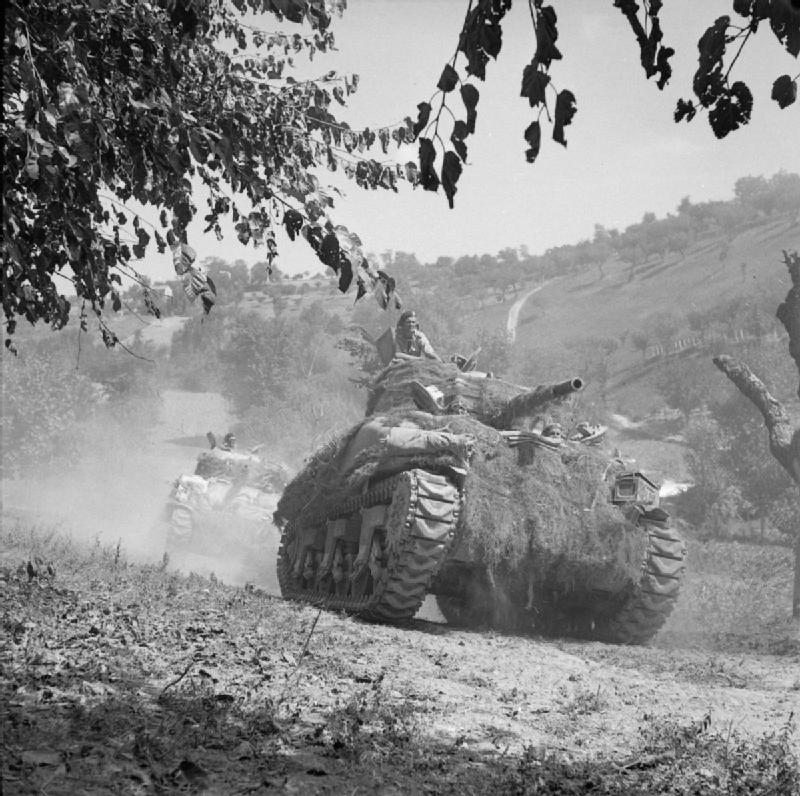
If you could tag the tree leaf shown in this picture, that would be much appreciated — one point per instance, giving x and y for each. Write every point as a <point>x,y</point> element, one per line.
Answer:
<point>293,222</point>
<point>534,83</point>
<point>449,79</point>
<point>784,19</point>
<point>565,110</point>
<point>428,177</point>
<point>470,96</point>
<point>329,251</point>
<point>663,66</point>
<point>685,110</point>
<point>732,110</point>
<point>784,91</point>
<point>712,43</point>
<point>546,35</point>
<point>345,273</point>
<point>423,114</point>
<point>491,39</point>
<point>457,139</point>
<point>451,171</point>
<point>533,135</point>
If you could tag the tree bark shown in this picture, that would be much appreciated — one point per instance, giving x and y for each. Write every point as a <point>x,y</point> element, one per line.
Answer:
<point>796,590</point>
<point>784,438</point>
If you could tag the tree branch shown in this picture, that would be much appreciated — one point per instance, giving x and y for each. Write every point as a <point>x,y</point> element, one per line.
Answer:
<point>784,441</point>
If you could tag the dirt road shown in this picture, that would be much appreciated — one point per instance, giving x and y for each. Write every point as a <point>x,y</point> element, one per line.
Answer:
<point>513,313</point>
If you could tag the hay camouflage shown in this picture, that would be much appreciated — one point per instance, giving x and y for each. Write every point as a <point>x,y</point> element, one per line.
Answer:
<point>456,496</point>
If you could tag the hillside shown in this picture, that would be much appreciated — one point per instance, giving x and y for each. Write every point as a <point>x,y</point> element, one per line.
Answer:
<point>712,273</point>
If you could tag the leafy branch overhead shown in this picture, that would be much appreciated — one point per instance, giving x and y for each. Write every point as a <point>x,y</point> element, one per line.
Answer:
<point>113,102</point>
<point>729,103</point>
<point>144,102</point>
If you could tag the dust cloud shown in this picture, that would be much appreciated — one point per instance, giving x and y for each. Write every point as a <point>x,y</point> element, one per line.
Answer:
<point>114,490</point>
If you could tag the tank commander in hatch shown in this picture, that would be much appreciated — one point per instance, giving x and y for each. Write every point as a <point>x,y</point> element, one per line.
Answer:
<point>409,340</point>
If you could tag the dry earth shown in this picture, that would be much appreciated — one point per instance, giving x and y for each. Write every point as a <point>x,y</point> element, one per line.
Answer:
<point>119,678</point>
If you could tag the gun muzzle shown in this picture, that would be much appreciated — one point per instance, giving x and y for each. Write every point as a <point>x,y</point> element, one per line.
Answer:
<point>567,387</point>
<point>528,403</point>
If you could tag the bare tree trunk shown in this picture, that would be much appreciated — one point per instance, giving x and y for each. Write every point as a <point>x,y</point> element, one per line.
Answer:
<point>784,438</point>
<point>796,589</point>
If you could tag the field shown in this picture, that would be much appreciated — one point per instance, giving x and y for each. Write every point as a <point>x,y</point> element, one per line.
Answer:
<point>712,272</point>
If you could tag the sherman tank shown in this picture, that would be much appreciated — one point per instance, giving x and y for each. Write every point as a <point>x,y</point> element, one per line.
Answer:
<point>467,487</point>
<point>227,503</point>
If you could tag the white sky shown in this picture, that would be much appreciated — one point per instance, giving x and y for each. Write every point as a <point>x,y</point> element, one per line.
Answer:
<point>625,155</point>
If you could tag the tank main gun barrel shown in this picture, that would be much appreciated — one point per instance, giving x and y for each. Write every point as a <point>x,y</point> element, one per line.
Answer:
<point>530,402</point>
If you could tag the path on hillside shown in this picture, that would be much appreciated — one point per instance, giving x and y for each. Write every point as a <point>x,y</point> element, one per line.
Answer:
<point>513,314</point>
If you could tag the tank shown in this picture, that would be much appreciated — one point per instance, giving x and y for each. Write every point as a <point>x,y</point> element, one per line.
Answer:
<point>226,504</point>
<point>467,487</point>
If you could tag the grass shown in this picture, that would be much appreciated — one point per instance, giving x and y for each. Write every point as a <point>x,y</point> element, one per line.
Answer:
<point>736,596</point>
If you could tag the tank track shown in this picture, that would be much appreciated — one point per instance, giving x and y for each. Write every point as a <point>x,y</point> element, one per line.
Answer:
<point>647,607</point>
<point>633,618</point>
<point>404,553</point>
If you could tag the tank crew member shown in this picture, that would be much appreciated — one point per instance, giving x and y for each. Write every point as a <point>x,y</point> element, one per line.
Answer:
<point>409,340</point>
<point>228,442</point>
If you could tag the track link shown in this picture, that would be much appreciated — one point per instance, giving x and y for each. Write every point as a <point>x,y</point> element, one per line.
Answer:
<point>646,609</point>
<point>422,510</point>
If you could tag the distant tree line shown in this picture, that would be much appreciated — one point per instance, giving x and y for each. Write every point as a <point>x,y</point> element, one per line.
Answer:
<point>480,280</point>
<point>484,278</point>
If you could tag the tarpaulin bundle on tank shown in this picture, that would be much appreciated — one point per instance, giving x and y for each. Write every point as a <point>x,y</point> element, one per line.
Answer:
<point>378,447</point>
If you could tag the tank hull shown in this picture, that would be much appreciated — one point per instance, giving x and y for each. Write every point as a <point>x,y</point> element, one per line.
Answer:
<point>508,530</point>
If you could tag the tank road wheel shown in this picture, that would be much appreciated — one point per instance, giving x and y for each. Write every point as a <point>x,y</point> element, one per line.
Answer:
<point>375,555</point>
<point>642,612</point>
